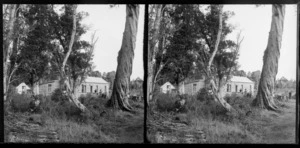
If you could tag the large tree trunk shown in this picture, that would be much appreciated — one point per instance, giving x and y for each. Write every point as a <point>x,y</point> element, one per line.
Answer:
<point>210,83</point>
<point>217,93</point>
<point>70,91</point>
<point>264,97</point>
<point>149,85</point>
<point>157,69</point>
<point>120,93</point>
<point>7,50</point>
<point>153,49</point>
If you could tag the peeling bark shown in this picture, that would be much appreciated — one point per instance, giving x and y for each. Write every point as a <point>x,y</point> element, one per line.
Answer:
<point>153,49</point>
<point>120,93</point>
<point>70,91</point>
<point>7,49</point>
<point>217,92</point>
<point>264,97</point>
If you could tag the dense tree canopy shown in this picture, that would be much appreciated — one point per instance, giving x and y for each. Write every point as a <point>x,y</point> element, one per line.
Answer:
<point>193,39</point>
<point>196,43</point>
<point>45,44</point>
<point>41,44</point>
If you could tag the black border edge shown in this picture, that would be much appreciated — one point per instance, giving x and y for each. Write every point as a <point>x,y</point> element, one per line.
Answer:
<point>297,77</point>
<point>153,1</point>
<point>145,59</point>
<point>1,100</point>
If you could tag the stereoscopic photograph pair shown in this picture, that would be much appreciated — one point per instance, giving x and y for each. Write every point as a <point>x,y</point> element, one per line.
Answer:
<point>150,73</point>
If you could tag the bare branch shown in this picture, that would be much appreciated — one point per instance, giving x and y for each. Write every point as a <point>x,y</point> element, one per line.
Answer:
<point>218,38</point>
<point>72,38</point>
<point>238,45</point>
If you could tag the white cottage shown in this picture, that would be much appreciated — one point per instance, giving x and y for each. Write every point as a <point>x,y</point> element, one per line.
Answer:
<point>22,88</point>
<point>167,87</point>
<point>46,88</point>
<point>191,87</point>
<point>93,85</point>
<point>239,84</point>
<point>235,84</point>
<point>89,85</point>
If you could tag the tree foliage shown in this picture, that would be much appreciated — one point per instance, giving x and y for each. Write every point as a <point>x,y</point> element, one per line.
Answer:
<point>42,44</point>
<point>198,44</point>
<point>195,34</point>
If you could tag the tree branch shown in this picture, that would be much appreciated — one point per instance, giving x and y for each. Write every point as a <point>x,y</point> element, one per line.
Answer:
<point>72,38</point>
<point>218,38</point>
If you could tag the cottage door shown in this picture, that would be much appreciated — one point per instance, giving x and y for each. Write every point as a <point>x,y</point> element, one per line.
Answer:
<point>194,88</point>
<point>23,89</point>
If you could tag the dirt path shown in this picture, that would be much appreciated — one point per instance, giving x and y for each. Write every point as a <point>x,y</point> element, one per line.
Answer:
<point>127,127</point>
<point>132,131</point>
<point>282,127</point>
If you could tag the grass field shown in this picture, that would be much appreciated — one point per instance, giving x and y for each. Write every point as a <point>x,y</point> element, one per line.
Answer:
<point>259,126</point>
<point>71,126</point>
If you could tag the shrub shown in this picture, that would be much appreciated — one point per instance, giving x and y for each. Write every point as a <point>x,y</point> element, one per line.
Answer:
<point>165,102</point>
<point>207,108</point>
<point>204,95</point>
<point>20,102</point>
<point>94,104</point>
<point>241,104</point>
<point>58,96</point>
<point>59,106</point>
<point>11,91</point>
<point>60,109</point>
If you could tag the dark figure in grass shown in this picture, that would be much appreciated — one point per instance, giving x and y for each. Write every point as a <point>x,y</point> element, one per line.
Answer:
<point>180,105</point>
<point>34,105</point>
<point>249,95</point>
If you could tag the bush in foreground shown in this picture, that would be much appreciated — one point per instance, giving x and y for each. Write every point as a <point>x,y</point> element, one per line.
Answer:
<point>20,102</point>
<point>165,102</point>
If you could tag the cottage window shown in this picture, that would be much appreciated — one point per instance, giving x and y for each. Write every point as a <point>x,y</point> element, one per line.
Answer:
<point>168,88</point>
<point>194,88</point>
<point>83,89</point>
<point>236,88</point>
<point>49,88</point>
<point>228,87</point>
<point>23,88</point>
<point>91,89</point>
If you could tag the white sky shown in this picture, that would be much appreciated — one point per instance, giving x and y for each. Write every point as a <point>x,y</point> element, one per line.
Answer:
<point>109,24</point>
<point>255,23</point>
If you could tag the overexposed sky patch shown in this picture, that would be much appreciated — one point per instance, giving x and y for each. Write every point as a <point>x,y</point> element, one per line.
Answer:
<point>255,24</point>
<point>109,24</point>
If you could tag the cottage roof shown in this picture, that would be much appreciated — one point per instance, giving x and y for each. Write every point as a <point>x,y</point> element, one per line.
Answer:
<point>23,84</point>
<point>240,79</point>
<point>94,80</point>
<point>168,83</point>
